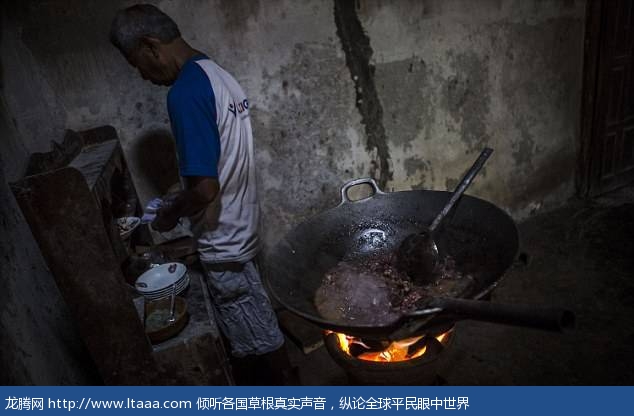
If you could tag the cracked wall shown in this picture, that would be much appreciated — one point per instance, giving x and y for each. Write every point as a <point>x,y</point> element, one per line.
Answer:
<point>358,52</point>
<point>437,79</point>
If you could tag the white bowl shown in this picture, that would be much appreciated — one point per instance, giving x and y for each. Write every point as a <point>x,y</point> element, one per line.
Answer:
<point>160,277</point>
<point>168,292</point>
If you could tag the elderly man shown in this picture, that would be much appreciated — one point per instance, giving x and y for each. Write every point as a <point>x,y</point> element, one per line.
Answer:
<point>209,116</point>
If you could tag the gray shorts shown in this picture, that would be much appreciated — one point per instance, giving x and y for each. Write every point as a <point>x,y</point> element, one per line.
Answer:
<point>244,311</point>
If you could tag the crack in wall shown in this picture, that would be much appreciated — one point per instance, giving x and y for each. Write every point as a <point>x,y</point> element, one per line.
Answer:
<point>356,46</point>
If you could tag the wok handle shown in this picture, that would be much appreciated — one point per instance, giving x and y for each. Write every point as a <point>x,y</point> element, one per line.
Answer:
<point>548,318</point>
<point>362,181</point>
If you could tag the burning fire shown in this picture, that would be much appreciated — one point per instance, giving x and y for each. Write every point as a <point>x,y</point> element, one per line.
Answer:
<point>396,351</point>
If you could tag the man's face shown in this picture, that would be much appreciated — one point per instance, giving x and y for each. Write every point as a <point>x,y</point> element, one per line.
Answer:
<point>151,65</point>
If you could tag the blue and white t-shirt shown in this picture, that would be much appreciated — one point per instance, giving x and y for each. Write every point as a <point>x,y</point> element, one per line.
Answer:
<point>209,114</point>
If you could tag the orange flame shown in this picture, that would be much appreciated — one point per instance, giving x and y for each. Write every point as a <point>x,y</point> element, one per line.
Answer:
<point>396,351</point>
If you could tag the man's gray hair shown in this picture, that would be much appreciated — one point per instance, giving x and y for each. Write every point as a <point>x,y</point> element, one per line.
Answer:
<point>130,25</point>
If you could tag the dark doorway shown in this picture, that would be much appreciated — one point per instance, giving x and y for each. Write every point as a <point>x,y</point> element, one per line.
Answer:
<point>607,144</point>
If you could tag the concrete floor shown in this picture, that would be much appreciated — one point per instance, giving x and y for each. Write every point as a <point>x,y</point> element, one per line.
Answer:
<point>580,257</point>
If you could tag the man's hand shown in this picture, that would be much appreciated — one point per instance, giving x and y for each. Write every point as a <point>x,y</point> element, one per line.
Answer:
<point>163,222</point>
<point>200,192</point>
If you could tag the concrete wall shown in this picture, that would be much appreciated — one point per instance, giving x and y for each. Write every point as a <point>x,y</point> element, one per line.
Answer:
<point>456,76</point>
<point>407,91</point>
<point>443,79</point>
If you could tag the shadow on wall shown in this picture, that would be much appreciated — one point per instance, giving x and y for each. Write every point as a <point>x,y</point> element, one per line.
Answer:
<point>154,156</point>
<point>534,185</point>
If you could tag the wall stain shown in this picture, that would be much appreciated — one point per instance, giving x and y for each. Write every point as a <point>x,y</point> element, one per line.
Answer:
<point>301,137</point>
<point>409,109</point>
<point>356,46</point>
<point>238,12</point>
<point>451,183</point>
<point>550,100</point>
<point>416,167</point>
<point>467,98</point>
<point>525,147</point>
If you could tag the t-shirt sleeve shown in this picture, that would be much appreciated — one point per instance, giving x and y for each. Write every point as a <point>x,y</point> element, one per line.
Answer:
<point>191,106</point>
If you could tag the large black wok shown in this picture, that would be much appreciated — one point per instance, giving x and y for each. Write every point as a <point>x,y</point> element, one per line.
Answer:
<point>481,238</point>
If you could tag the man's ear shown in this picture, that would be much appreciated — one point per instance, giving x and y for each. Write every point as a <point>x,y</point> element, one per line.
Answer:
<point>152,44</point>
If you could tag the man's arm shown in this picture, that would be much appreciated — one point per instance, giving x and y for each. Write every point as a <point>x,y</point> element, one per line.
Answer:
<point>200,192</point>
